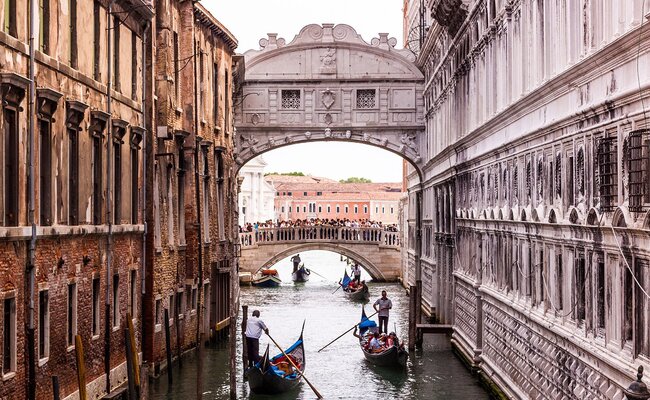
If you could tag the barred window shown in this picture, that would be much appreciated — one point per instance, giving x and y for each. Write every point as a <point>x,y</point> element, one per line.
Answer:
<point>540,179</point>
<point>608,173</point>
<point>558,175</point>
<point>366,98</point>
<point>580,172</point>
<point>291,99</point>
<point>529,178</point>
<point>638,159</point>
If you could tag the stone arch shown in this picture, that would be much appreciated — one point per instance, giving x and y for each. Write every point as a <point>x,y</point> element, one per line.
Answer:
<point>242,159</point>
<point>619,220</point>
<point>370,267</point>
<point>500,214</point>
<point>574,217</point>
<point>552,217</point>
<point>522,215</point>
<point>511,215</point>
<point>593,218</point>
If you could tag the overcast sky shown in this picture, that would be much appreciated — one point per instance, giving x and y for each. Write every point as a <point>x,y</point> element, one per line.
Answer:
<point>251,20</point>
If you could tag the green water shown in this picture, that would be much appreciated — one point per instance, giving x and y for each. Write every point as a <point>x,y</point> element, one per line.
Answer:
<point>340,371</point>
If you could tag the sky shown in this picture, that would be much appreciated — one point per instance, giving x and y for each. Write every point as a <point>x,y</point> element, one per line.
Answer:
<point>251,20</point>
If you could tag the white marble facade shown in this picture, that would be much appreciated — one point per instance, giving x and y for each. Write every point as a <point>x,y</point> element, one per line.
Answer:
<point>256,196</point>
<point>536,195</point>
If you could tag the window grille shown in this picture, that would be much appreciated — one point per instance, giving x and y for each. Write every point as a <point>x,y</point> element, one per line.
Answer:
<point>638,169</point>
<point>558,175</point>
<point>580,172</point>
<point>366,98</point>
<point>608,173</point>
<point>515,182</point>
<point>291,99</point>
<point>529,183</point>
<point>540,179</point>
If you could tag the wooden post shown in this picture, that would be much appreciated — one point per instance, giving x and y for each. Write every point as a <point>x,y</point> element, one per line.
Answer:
<point>55,388</point>
<point>130,375</point>
<point>418,312</point>
<point>134,353</point>
<point>412,320</point>
<point>81,368</point>
<point>168,347</point>
<point>244,321</point>
<point>177,323</point>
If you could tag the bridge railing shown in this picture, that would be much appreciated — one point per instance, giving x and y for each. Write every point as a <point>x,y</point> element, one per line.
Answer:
<point>319,234</point>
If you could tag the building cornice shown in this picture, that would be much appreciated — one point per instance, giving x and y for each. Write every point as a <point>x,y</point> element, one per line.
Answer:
<point>206,18</point>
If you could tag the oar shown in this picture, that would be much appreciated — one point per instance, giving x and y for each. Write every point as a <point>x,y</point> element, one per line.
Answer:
<point>318,395</point>
<point>355,325</point>
<point>312,271</point>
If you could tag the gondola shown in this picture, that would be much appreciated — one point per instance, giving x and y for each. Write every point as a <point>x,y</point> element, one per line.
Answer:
<point>362,294</point>
<point>266,278</point>
<point>301,274</point>
<point>267,377</point>
<point>395,356</point>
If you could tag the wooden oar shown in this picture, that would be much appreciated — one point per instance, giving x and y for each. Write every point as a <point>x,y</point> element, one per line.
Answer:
<point>311,270</point>
<point>355,325</point>
<point>318,395</point>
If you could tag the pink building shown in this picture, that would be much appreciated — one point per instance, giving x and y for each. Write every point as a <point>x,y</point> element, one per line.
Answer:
<point>309,197</point>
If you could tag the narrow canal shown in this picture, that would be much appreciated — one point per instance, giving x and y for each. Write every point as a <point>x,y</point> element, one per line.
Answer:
<point>340,371</point>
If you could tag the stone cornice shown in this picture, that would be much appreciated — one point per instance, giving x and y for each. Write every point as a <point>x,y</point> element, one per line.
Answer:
<point>206,18</point>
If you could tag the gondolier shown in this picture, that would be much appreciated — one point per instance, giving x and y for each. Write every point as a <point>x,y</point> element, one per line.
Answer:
<point>383,306</point>
<point>254,328</point>
<point>356,271</point>
<point>296,262</point>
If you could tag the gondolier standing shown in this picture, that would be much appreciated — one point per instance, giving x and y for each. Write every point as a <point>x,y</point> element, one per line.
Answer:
<point>382,306</point>
<point>356,271</point>
<point>296,262</point>
<point>254,328</point>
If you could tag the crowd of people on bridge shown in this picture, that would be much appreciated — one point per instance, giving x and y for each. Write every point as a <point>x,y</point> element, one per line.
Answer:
<point>311,222</point>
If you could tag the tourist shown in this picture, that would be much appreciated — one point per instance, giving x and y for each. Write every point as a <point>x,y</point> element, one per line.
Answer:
<point>374,345</point>
<point>296,262</point>
<point>383,306</point>
<point>254,328</point>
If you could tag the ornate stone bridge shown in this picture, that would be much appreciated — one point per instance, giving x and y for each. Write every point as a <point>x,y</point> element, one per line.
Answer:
<point>377,250</point>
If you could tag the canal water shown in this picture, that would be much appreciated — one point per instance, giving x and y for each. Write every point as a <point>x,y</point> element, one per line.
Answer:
<point>340,371</point>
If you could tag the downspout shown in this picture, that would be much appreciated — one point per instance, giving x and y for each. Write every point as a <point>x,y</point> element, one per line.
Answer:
<point>31,339</point>
<point>199,327</point>
<point>109,208</point>
<point>143,269</point>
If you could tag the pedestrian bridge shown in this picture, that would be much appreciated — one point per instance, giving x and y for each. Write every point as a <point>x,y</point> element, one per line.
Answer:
<point>377,250</point>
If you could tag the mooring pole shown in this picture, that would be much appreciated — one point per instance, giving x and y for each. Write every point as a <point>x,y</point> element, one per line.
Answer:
<point>130,374</point>
<point>55,388</point>
<point>244,321</point>
<point>412,290</point>
<point>168,347</point>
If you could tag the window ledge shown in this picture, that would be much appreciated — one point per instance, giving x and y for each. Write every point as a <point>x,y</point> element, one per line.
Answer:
<point>6,377</point>
<point>157,328</point>
<point>94,337</point>
<point>43,361</point>
<point>159,250</point>
<point>69,348</point>
<point>193,312</point>
<point>182,247</point>
<point>116,328</point>
<point>181,316</point>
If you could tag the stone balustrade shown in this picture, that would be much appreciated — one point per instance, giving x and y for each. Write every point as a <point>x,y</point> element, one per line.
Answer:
<point>328,234</point>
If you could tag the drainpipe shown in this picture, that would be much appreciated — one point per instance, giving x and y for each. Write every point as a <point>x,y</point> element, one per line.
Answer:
<point>31,339</point>
<point>199,324</point>
<point>143,264</point>
<point>109,205</point>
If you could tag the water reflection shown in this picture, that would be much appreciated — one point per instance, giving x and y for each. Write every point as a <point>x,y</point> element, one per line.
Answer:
<point>340,371</point>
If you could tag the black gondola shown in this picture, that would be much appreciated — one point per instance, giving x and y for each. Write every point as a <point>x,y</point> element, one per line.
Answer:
<point>394,356</point>
<point>362,294</point>
<point>301,274</point>
<point>266,377</point>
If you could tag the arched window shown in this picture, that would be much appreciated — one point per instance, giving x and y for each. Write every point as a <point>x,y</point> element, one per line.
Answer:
<point>580,172</point>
